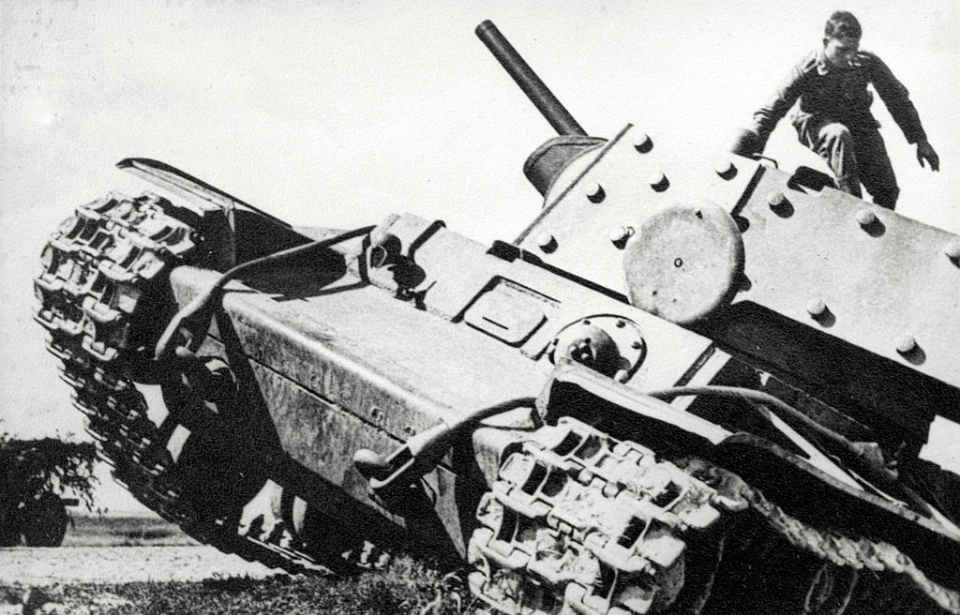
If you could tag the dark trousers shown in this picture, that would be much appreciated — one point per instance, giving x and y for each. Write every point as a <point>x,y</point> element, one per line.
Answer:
<point>855,157</point>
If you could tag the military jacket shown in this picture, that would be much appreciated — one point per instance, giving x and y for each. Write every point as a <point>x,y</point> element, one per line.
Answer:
<point>828,93</point>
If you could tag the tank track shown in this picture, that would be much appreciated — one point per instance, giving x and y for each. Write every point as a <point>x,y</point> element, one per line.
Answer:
<point>579,522</point>
<point>101,291</point>
<point>597,526</point>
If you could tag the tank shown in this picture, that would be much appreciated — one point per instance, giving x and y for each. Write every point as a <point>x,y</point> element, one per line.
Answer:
<point>33,476</point>
<point>696,383</point>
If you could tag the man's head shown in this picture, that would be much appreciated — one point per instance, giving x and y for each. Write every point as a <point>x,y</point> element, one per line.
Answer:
<point>841,39</point>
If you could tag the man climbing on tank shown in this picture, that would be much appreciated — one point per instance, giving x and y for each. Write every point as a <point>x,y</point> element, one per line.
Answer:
<point>833,115</point>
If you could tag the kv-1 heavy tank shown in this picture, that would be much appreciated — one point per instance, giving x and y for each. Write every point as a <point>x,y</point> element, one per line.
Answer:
<point>696,383</point>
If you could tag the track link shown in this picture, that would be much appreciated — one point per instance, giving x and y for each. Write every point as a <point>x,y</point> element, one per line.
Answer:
<point>102,297</point>
<point>579,522</point>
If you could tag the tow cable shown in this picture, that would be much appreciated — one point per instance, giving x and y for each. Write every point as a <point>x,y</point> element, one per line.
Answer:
<point>193,321</point>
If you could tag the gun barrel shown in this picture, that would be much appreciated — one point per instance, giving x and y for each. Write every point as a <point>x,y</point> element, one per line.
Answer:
<point>531,84</point>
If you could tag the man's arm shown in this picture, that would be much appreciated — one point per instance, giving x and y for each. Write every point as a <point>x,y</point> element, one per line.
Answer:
<point>753,139</point>
<point>897,99</point>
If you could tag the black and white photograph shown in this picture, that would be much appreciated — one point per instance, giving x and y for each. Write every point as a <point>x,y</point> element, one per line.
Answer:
<point>469,308</point>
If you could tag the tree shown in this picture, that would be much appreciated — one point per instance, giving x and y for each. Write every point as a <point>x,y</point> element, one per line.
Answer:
<point>33,475</point>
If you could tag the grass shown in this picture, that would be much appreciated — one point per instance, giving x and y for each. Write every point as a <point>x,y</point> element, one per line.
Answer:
<point>406,586</point>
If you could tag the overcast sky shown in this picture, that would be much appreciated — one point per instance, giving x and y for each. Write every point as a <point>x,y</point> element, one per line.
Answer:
<point>338,113</point>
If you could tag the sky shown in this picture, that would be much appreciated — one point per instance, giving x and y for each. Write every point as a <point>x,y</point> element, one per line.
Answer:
<point>336,114</point>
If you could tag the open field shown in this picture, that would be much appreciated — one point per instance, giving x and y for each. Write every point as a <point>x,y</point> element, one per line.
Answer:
<point>107,531</point>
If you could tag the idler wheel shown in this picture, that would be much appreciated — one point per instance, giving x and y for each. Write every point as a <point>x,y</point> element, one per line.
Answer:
<point>685,263</point>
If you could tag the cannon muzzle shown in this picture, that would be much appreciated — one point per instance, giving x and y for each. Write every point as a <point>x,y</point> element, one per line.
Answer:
<point>535,89</point>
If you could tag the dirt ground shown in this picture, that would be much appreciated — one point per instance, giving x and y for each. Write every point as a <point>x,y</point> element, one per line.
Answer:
<point>45,567</point>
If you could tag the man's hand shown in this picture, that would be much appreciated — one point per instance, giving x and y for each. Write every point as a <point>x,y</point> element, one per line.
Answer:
<point>926,152</point>
<point>745,142</point>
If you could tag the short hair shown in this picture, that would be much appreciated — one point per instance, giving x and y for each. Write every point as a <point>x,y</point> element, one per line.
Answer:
<point>842,24</point>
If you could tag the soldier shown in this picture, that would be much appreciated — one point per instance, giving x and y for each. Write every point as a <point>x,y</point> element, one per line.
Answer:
<point>833,115</point>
